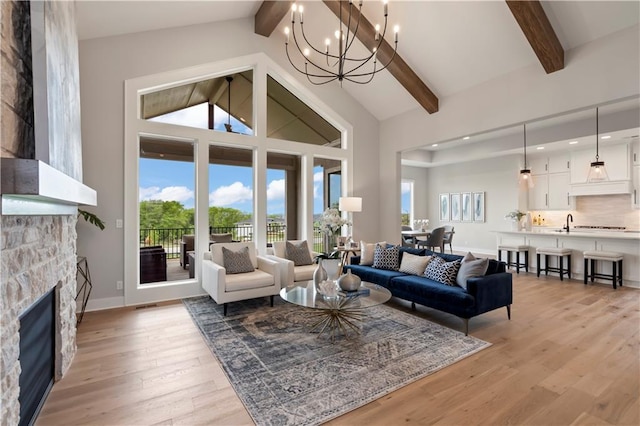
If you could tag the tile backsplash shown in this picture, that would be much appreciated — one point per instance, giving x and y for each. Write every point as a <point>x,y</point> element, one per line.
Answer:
<point>596,210</point>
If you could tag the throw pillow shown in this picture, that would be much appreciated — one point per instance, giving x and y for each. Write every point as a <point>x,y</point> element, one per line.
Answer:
<point>414,264</point>
<point>442,271</point>
<point>367,252</point>
<point>386,258</point>
<point>298,253</point>
<point>471,267</point>
<point>237,262</point>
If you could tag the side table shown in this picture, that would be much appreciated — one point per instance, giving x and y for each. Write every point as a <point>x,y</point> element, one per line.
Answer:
<point>85,286</point>
<point>346,251</point>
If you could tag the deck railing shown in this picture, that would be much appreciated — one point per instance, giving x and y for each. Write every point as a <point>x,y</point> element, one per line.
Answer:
<point>171,238</point>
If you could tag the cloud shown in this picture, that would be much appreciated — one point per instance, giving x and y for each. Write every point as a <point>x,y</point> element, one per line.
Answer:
<point>169,193</point>
<point>405,187</point>
<point>227,195</point>
<point>318,178</point>
<point>275,190</point>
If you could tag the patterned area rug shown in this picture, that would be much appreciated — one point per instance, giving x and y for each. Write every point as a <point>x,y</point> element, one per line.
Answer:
<point>285,375</point>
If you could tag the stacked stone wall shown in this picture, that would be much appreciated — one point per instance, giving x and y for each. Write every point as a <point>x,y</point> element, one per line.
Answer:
<point>38,255</point>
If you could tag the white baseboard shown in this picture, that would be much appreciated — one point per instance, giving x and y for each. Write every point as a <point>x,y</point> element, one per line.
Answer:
<point>104,303</point>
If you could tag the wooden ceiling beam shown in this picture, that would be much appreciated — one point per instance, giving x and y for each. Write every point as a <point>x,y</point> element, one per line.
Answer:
<point>538,30</point>
<point>398,67</point>
<point>269,16</point>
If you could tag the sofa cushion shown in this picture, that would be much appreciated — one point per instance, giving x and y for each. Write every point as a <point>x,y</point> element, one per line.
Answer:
<point>367,251</point>
<point>471,267</point>
<point>442,271</point>
<point>423,290</point>
<point>413,264</point>
<point>376,276</point>
<point>298,253</point>
<point>237,262</point>
<point>386,257</point>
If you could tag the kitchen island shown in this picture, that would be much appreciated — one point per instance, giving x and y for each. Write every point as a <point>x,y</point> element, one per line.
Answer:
<point>625,242</point>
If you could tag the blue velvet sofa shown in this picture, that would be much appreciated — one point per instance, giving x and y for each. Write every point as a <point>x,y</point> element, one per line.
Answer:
<point>483,294</point>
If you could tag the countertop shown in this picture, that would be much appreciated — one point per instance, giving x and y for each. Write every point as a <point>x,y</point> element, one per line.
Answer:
<point>555,232</point>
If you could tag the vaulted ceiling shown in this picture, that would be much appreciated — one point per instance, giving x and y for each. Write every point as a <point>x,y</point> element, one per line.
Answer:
<point>445,46</point>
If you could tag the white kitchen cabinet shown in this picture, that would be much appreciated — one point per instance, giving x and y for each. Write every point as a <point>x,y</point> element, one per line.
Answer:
<point>635,195</point>
<point>615,157</point>
<point>550,192</point>
<point>538,165</point>
<point>559,163</point>
<point>635,153</point>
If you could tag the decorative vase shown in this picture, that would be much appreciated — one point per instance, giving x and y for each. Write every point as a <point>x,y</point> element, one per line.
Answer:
<point>333,268</point>
<point>319,275</point>
<point>349,282</point>
<point>515,225</point>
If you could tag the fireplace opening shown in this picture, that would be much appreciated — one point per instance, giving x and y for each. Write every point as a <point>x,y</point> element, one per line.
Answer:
<point>37,356</point>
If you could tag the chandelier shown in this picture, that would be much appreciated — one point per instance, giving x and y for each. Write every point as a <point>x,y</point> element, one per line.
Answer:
<point>331,63</point>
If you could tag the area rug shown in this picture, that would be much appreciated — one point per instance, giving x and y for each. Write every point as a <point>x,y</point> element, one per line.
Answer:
<point>286,375</point>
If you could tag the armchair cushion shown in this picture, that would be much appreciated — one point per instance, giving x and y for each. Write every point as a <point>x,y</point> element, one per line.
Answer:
<point>254,279</point>
<point>237,262</point>
<point>221,238</point>
<point>298,253</point>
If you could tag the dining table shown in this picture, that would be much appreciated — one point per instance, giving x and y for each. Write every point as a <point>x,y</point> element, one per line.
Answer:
<point>417,233</point>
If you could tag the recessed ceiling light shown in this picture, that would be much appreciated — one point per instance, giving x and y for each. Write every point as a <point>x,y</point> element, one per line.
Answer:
<point>573,142</point>
<point>466,138</point>
<point>606,137</point>
<point>540,147</point>
<point>435,144</point>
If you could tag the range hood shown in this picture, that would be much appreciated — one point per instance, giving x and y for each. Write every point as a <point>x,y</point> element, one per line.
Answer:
<point>32,187</point>
<point>601,188</point>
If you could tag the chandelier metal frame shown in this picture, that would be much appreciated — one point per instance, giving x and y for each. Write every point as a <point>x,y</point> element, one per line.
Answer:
<point>339,67</point>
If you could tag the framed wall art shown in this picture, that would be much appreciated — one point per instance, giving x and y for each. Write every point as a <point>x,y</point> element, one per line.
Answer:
<point>466,207</point>
<point>454,201</point>
<point>444,208</point>
<point>478,206</point>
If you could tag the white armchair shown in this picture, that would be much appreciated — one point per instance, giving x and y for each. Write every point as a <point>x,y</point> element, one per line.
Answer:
<point>224,288</point>
<point>289,273</point>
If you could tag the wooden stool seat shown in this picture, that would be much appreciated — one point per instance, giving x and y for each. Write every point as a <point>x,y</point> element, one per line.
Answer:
<point>606,256</point>
<point>560,252</point>
<point>517,248</point>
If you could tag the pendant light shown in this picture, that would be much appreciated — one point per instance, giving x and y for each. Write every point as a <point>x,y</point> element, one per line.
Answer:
<point>228,124</point>
<point>597,171</point>
<point>525,173</point>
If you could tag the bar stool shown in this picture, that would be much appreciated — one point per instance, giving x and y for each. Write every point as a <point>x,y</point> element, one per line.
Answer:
<point>607,256</point>
<point>517,248</point>
<point>554,251</point>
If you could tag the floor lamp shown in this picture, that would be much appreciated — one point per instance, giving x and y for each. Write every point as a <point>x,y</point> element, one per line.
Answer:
<point>350,205</point>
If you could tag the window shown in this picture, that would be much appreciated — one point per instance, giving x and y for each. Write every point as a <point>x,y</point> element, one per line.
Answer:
<point>406,202</point>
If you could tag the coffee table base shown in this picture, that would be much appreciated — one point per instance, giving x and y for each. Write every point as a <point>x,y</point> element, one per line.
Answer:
<point>338,317</point>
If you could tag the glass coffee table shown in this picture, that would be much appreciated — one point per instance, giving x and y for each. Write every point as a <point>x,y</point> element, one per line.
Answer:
<point>335,314</point>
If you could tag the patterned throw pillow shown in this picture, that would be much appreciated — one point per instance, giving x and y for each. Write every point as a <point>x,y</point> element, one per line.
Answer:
<point>442,271</point>
<point>386,258</point>
<point>298,253</point>
<point>414,264</point>
<point>237,262</point>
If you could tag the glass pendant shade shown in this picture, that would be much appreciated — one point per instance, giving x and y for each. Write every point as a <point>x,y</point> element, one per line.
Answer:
<point>526,178</point>
<point>597,172</point>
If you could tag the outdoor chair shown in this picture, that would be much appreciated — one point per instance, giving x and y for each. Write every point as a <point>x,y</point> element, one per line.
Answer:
<point>226,280</point>
<point>186,245</point>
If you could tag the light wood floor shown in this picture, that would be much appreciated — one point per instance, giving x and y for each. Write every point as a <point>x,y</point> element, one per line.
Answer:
<point>569,355</point>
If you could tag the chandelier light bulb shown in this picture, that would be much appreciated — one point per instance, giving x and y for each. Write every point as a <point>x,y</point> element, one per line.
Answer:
<point>301,9</point>
<point>377,32</point>
<point>386,5</point>
<point>286,33</point>
<point>294,7</point>
<point>306,51</point>
<point>337,34</point>
<point>396,30</point>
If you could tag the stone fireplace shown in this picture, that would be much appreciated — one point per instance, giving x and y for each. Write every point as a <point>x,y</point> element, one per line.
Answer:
<point>41,182</point>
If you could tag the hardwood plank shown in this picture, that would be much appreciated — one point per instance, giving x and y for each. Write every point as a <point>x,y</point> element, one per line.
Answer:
<point>269,16</point>
<point>568,356</point>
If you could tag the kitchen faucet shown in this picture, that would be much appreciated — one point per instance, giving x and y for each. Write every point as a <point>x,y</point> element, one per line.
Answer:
<point>569,216</point>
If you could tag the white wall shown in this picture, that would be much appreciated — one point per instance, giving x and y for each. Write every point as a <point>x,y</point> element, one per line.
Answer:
<point>599,72</point>
<point>106,63</point>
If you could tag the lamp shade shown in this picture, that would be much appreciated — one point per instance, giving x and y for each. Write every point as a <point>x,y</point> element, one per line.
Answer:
<point>350,204</point>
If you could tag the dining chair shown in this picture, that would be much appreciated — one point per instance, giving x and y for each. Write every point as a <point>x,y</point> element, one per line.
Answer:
<point>406,240</point>
<point>435,239</point>
<point>448,237</point>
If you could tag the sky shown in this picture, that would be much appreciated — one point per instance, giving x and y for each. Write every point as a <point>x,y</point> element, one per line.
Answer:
<point>229,186</point>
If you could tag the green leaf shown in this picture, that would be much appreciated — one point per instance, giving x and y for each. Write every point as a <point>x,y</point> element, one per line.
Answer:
<point>92,218</point>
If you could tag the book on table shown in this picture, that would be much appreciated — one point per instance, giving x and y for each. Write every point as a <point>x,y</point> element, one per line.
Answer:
<point>362,291</point>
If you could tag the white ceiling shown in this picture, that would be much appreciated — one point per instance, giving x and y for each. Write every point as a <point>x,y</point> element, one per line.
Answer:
<point>451,45</point>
